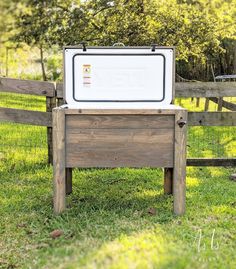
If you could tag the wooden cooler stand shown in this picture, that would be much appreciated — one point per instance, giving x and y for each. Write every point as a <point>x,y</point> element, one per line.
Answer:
<point>120,138</point>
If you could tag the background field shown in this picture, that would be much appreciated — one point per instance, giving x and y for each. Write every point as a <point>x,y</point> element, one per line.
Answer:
<point>108,223</point>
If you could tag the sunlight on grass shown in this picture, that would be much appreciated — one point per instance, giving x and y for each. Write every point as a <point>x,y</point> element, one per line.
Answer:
<point>22,101</point>
<point>141,250</point>
<point>107,223</point>
<point>192,182</point>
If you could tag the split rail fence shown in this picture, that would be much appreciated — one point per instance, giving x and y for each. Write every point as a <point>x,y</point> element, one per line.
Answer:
<point>211,91</point>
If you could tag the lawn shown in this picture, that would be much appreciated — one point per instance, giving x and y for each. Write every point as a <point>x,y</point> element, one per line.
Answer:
<point>116,218</point>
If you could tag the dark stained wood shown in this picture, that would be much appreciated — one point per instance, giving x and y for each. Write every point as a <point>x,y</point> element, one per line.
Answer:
<point>179,176</point>
<point>119,148</point>
<point>168,180</point>
<point>26,116</point>
<point>212,118</point>
<point>211,162</point>
<point>33,87</point>
<point>205,89</point>
<point>119,121</point>
<point>59,169</point>
<point>68,181</point>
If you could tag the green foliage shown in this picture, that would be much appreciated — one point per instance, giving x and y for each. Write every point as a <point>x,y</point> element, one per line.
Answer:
<point>203,31</point>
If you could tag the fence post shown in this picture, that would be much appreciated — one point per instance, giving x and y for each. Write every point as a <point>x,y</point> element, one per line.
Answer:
<point>206,104</point>
<point>50,104</point>
<point>220,104</point>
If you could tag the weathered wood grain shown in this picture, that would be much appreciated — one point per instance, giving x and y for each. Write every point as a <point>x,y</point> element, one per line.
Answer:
<point>179,164</point>
<point>119,121</point>
<point>59,168</point>
<point>169,110</point>
<point>111,136</point>
<point>211,162</point>
<point>212,118</point>
<point>126,156</point>
<point>192,89</point>
<point>119,148</point>
<point>26,116</point>
<point>33,87</point>
<point>205,89</point>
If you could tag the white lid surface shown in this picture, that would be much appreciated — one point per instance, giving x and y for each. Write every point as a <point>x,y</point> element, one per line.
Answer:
<point>127,77</point>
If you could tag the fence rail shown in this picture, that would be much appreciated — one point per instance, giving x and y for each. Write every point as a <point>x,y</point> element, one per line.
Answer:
<point>54,96</point>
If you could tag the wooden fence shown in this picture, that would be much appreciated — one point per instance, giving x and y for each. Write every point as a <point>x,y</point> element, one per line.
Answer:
<point>53,92</point>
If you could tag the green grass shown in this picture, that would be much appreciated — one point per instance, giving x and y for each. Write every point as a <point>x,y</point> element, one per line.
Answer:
<point>107,224</point>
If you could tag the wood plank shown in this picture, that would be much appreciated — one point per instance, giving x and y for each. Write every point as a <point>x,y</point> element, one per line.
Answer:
<point>169,110</point>
<point>212,118</point>
<point>120,148</point>
<point>119,121</point>
<point>179,176</point>
<point>106,137</point>
<point>33,87</point>
<point>130,156</point>
<point>59,169</point>
<point>211,162</point>
<point>26,116</point>
<point>205,89</point>
<point>192,89</point>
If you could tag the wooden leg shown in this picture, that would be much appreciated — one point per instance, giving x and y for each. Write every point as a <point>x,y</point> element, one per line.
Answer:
<point>68,181</point>
<point>180,164</point>
<point>59,170</point>
<point>168,180</point>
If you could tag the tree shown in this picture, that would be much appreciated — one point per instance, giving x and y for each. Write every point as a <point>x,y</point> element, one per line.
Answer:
<point>202,30</point>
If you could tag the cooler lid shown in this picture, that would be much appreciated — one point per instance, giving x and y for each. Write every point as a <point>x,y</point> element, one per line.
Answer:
<point>118,75</point>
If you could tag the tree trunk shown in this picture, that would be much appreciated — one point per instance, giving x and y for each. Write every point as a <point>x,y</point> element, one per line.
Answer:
<point>42,64</point>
